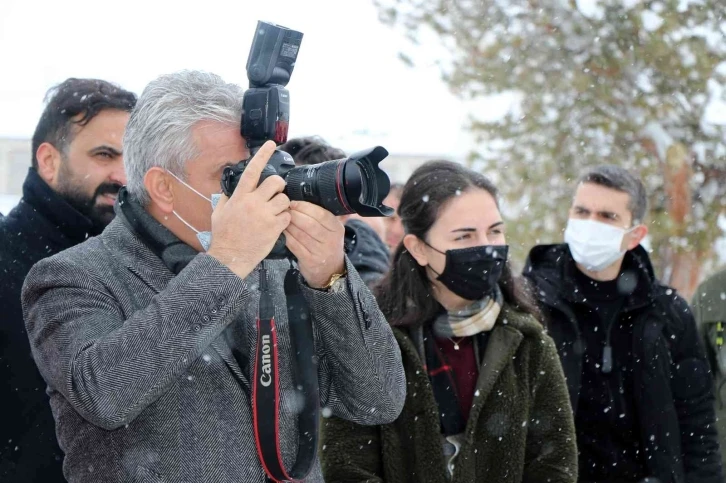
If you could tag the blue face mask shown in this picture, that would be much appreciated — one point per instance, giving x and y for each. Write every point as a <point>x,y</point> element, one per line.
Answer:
<point>204,237</point>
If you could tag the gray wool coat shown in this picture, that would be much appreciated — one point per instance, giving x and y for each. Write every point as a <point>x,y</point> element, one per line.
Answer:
<point>141,369</point>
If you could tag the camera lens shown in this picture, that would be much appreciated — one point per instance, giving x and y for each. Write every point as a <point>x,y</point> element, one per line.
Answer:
<point>320,184</point>
<point>352,185</point>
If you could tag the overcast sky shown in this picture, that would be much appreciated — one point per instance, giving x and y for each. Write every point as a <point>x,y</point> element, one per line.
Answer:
<point>348,86</point>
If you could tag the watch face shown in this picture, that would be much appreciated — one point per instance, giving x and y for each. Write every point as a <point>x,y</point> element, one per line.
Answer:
<point>338,285</point>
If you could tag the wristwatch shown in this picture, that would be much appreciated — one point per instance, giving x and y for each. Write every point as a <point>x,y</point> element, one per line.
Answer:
<point>336,281</point>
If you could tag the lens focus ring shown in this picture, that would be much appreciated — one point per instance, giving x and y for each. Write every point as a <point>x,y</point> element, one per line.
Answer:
<point>330,189</point>
<point>320,184</point>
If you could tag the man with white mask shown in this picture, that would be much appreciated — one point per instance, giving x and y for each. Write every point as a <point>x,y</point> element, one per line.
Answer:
<point>638,377</point>
<point>150,336</point>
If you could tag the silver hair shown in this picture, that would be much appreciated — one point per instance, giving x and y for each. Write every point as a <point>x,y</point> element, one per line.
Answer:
<point>159,132</point>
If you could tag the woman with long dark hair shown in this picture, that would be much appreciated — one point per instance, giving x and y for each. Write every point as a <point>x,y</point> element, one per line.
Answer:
<point>486,396</point>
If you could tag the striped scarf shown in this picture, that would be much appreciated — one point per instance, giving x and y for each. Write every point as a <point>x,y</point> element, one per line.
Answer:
<point>478,317</point>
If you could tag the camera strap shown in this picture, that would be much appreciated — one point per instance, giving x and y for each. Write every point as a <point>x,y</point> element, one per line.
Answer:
<point>266,387</point>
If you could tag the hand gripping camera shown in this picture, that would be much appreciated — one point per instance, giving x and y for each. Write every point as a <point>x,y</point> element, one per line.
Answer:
<point>352,185</point>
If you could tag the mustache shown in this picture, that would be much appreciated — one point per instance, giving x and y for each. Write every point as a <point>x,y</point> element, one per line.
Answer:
<point>107,188</point>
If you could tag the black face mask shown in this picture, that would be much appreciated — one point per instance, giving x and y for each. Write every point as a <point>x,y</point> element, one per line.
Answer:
<point>473,273</point>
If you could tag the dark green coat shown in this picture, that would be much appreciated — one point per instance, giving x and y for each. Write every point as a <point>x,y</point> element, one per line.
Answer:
<point>520,428</point>
<point>709,308</point>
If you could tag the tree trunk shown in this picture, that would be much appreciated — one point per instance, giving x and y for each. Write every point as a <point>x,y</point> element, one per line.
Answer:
<point>684,263</point>
<point>685,273</point>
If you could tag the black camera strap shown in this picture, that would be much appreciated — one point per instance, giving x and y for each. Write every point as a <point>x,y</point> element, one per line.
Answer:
<point>266,387</point>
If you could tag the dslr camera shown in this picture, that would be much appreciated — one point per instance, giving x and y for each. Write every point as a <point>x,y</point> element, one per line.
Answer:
<point>352,185</point>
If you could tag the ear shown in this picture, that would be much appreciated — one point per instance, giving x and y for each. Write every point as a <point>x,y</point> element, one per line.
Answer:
<point>49,163</point>
<point>635,236</point>
<point>416,248</point>
<point>159,186</point>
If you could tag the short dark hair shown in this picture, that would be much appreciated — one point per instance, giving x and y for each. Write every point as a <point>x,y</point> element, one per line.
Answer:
<point>620,179</point>
<point>73,97</point>
<point>311,150</point>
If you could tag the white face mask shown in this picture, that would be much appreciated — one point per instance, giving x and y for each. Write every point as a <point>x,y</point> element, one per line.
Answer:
<point>593,244</point>
<point>204,237</point>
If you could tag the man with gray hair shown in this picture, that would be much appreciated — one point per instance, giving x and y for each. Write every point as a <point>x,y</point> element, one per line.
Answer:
<point>146,335</point>
<point>638,378</point>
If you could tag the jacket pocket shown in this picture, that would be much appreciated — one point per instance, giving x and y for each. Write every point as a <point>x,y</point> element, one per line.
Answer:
<point>146,475</point>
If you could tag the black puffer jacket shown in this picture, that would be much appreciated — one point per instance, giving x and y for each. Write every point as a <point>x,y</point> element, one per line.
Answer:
<point>366,251</point>
<point>672,381</point>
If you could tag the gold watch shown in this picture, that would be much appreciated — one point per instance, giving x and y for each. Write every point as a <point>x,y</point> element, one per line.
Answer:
<point>334,278</point>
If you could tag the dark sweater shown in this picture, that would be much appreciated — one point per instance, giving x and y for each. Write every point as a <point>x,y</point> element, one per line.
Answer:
<point>605,419</point>
<point>464,369</point>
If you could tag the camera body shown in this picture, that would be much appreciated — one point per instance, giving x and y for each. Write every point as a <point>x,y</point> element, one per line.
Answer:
<point>352,185</point>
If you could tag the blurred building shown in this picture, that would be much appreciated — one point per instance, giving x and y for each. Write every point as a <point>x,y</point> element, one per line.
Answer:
<point>14,163</point>
<point>15,159</point>
<point>400,166</point>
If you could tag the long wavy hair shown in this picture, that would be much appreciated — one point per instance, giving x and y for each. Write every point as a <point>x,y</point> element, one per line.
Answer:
<point>405,294</point>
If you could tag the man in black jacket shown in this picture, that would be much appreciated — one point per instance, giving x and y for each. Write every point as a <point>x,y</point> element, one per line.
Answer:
<point>638,377</point>
<point>363,236</point>
<point>68,196</point>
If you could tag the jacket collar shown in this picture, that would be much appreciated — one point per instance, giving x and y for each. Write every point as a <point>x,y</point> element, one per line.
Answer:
<point>136,256</point>
<point>139,251</point>
<point>53,207</point>
<point>504,341</point>
<point>141,259</point>
<point>552,268</point>
<point>174,253</point>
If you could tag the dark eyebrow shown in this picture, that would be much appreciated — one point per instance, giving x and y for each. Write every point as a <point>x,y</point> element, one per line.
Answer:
<point>472,230</point>
<point>578,207</point>
<point>109,149</point>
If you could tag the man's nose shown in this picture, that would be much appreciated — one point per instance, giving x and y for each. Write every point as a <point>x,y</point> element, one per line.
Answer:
<point>118,174</point>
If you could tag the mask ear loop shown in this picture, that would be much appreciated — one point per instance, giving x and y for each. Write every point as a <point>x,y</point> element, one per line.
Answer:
<point>195,191</point>
<point>185,222</point>
<point>185,184</point>
<point>438,275</point>
<point>434,249</point>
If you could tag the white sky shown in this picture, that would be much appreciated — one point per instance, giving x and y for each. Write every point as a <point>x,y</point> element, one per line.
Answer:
<point>348,86</point>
